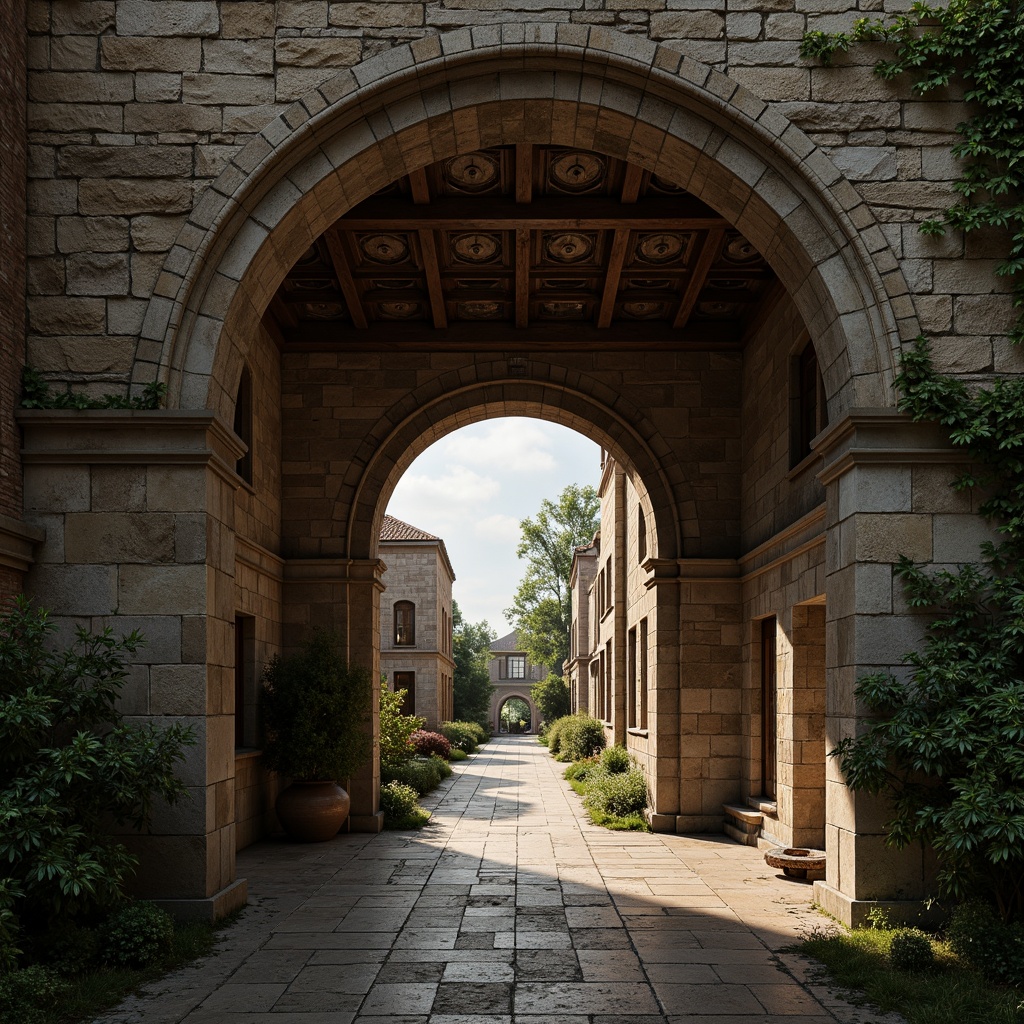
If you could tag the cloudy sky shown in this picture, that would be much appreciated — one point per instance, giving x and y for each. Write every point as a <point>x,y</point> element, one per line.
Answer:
<point>473,487</point>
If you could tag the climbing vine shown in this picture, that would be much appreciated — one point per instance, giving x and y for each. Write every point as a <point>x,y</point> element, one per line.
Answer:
<point>37,394</point>
<point>947,743</point>
<point>978,44</point>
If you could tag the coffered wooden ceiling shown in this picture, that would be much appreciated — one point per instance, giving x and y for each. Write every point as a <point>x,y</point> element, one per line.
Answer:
<point>526,246</point>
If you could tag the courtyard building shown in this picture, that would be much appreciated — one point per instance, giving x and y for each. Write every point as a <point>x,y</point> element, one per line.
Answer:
<point>328,234</point>
<point>416,620</point>
<point>512,674</point>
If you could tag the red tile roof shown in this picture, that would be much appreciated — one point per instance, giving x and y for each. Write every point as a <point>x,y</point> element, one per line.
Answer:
<point>395,529</point>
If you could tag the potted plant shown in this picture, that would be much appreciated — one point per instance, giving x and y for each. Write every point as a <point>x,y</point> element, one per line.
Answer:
<point>315,709</point>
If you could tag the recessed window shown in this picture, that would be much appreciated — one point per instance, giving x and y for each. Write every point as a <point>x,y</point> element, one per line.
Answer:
<point>641,534</point>
<point>243,423</point>
<point>808,408</point>
<point>516,666</point>
<point>407,681</point>
<point>405,624</point>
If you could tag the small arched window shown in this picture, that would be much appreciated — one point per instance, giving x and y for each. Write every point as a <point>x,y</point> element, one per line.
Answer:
<point>808,408</point>
<point>243,423</point>
<point>405,623</point>
<point>641,534</point>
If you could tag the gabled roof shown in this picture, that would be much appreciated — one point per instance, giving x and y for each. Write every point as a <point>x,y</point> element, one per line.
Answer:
<point>395,529</point>
<point>509,642</point>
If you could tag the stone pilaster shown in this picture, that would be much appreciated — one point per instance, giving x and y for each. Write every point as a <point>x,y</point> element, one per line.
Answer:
<point>138,511</point>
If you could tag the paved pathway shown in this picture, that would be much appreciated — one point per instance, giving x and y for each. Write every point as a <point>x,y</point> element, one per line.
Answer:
<point>509,908</point>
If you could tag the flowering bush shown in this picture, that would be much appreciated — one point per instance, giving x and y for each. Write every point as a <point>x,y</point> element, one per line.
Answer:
<point>427,743</point>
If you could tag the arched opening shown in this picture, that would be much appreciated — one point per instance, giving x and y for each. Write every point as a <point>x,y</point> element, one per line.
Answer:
<point>378,314</point>
<point>515,716</point>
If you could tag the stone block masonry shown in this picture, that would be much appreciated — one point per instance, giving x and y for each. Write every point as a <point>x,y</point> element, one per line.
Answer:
<point>135,106</point>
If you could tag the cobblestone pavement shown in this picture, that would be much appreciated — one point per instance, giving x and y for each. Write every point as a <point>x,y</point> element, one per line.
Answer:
<point>509,908</point>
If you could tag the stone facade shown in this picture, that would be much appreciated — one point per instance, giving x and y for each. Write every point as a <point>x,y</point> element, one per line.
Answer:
<point>183,156</point>
<point>418,575</point>
<point>512,674</point>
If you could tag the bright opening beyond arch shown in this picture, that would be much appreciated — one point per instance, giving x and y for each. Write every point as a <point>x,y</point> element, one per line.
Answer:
<point>474,486</point>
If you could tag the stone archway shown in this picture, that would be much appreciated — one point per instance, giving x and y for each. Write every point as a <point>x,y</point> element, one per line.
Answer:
<point>589,87</point>
<point>299,547</point>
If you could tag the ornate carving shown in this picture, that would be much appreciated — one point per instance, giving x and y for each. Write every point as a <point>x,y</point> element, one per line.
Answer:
<point>739,250</point>
<point>719,310</point>
<point>384,249</point>
<point>569,246</point>
<point>399,310</point>
<point>659,247</point>
<point>577,171</point>
<point>660,184</point>
<point>563,310</point>
<point>643,310</point>
<point>324,310</point>
<point>476,247</point>
<point>310,256</point>
<point>647,284</point>
<point>566,284</point>
<point>313,284</point>
<point>472,172</point>
<point>394,284</point>
<point>480,310</point>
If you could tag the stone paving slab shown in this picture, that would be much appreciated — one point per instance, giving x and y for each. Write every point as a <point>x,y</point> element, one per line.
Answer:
<point>509,908</point>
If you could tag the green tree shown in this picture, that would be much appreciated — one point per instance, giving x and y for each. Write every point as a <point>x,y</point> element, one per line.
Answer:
<point>542,605</point>
<point>551,695</point>
<point>471,681</point>
<point>515,714</point>
<point>69,769</point>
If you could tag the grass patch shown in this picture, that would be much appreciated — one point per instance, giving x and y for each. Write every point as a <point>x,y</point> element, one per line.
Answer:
<point>613,789</point>
<point>98,989</point>
<point>950,993</point>
<point>412,820</point>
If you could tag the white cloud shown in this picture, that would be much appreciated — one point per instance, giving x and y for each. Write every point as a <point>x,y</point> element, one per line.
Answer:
<point>515,444</point>
<point>499,529</point>
<point>445,499</point>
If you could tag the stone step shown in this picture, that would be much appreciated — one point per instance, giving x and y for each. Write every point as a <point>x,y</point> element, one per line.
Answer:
<point>742,824</point>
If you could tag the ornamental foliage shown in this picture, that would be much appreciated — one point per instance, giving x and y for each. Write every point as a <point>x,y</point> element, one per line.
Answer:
<point>979,46</point>
<point>947,743</point>
<point>69,769</point>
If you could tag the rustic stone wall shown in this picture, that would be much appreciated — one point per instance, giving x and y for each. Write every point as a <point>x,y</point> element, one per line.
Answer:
<point>136,106</point>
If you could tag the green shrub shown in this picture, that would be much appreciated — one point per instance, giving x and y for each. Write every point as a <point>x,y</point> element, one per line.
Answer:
<point>911,951</point>
<point>70,768</point>
<point>422,773</point>
<point>315,710</point>
<point>396,728</point>
<point>444,769</point>
<point>466,736</point>
<point>579,736</point>
<point>582,771</point>
<point>27,995</point>
<point>68,948</point>
<point>458,755</point>
<point>993,947</point>
<point>551,695</point>
<point>619,794</point>
<point>615,760</point>
<point>397,800</point>
<point>138,935</point>
<point>554,734</point>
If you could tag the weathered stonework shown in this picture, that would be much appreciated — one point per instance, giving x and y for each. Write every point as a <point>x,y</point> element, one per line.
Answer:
<point>183,156</point>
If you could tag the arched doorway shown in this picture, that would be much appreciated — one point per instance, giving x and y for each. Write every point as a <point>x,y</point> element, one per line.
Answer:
<point>515,715</point>
<point>700,421</point>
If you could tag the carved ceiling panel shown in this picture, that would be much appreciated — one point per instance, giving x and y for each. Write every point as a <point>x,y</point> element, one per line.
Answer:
<point>473,250</point>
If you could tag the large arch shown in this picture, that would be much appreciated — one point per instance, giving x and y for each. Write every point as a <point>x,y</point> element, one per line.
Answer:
<point>588,87</point>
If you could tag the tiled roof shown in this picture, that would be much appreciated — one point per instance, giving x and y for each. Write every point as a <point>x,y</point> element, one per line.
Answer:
<point>395,529</point>
<point>509,642</point>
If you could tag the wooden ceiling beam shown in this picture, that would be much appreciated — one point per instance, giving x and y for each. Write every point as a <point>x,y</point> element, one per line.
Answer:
<point>616,259</point>
<point>433,273</point>
<point>700,272</point>
<point>524,172</point>
<point>485,335</point>
<point>418,187</point>
<point>345,280</point>
<point>522,278</point>
<point>631,183</point>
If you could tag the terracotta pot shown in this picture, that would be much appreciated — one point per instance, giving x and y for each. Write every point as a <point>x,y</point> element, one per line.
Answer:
<point>312,812</point>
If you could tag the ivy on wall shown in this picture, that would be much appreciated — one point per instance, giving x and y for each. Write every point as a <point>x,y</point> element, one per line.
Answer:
<point>947,742</point>
<point>37,394</point>
<point>979,45</point>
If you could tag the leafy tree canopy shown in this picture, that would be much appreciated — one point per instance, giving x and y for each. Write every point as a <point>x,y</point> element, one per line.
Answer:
<point>542,605</point>
<point>471,644</point>
<point>551,695</point>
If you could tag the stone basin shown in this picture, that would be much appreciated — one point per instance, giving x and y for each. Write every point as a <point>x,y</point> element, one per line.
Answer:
<point>797,861</point>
